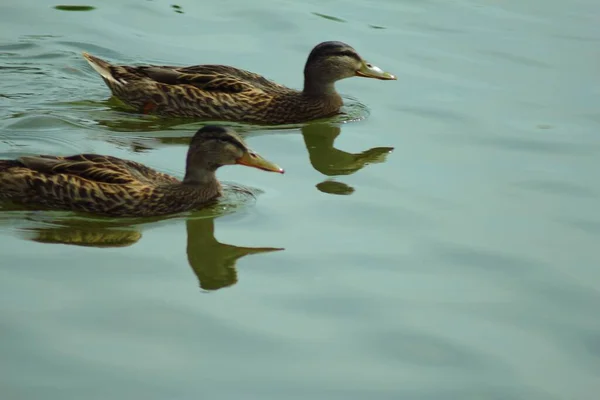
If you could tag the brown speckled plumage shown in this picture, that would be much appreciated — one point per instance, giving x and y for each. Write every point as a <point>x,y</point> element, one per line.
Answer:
<point>112,186</point>
<point>224,93</point>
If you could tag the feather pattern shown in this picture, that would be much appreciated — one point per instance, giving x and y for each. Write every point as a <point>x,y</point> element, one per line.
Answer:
<point>112,186</point>
<point>99,185</point>
<point>225,93</point>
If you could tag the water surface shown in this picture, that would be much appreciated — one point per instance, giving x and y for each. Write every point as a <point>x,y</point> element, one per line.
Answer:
<point>461,265</point>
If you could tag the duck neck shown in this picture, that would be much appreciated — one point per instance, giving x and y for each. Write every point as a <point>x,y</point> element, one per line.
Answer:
<point>316,85</point>
<point>201,187</point>
<point>319,88</point>
<point>200,176</point>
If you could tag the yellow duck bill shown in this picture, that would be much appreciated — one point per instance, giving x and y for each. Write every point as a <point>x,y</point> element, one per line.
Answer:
<point>368,70</point>
<point>252,159</point>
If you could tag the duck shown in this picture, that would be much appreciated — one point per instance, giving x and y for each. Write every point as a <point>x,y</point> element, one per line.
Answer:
<point>111,186</point>
<point>225,93</point>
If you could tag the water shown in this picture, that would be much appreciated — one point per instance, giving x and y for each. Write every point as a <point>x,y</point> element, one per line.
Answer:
<point>461,265</point>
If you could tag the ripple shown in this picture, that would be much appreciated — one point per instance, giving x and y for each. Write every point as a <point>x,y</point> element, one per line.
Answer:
<point>23,121</point>
<point>12,48</point>
<point>437,113</point>
<point>588,226</point>
<point>74,8</point>
<point>537,146</point>
<point>177,8</point>
<point>93,48</point>
<point>271,20</point>
<point>35,143</point>
<point>328,17</point>
<point>577,38</point>
<point>44,134</point>
<point>436,28</point>
<point>558,188</point>
<point>592,346</point>
<point>19,69</point>
<point>29,49</point>
<point>468,256</point>
<point>353,110</point>
<point>516,59</point>
<point>423,349</point>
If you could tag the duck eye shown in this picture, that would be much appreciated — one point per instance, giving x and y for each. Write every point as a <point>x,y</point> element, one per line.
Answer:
<point>369,65</point>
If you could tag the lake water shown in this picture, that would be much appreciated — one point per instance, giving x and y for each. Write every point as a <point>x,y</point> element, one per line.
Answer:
<point>462,265</point>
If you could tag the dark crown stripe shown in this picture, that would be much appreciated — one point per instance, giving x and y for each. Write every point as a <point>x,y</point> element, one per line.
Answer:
<point>329,49</point>
<point>348,53</point>
<point>218,133</point>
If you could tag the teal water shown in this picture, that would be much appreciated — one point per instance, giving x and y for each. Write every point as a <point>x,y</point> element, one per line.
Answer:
<point>461,265</point>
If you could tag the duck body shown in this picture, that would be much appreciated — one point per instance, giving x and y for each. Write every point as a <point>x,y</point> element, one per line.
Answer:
<point>111,186</point>
<point>99,184</point>
<point>213,92</point>
<point>225,93</point>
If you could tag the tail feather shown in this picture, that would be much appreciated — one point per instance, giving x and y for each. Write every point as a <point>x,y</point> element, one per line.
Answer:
<point>103,68</point>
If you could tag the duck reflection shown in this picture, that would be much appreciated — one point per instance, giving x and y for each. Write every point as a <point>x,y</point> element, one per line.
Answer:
<point>325,158</point>
<point>319,139</point>
<point>88,236</point>
<point>213,263</point>
<point>335,187</point>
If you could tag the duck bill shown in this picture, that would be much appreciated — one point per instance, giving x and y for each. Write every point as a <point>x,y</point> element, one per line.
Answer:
<point>368,70</point>
<point>251,159</point>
